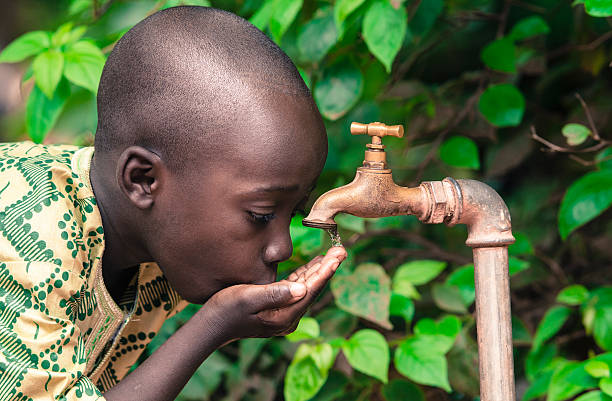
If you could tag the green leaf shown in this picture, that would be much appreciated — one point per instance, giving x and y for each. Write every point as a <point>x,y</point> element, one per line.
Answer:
<point>26,45</point>
<point>522,245</point>
<point>573,295</point>
<point>516,265</point>
<point>306,240</point>
<point>463,278</point>
<point>368,352</point>
<point>528,28</point>
<point>448,298</point>
<point>604,159</point>
<point>334,387</point>
<point>419,272</point>
<point>61,35</point>
<point>343,8</point>
<point>551,323</point>
<point>406,289</point>
<point>261,18</point>
<point>519,331</point>
<point>76,34</point>
<point>598,8</point>
<point>502,105</point>
<point>316,38</point>
<point>207,378</point>
<point>539,360</point>
<point>402,390</point>
<point>438,337</point>
<point>308,371</point>
<point>594,396</point>
<point>248,350</point>
<point>568,380</point>
<point>42,112</point>
<point>421,365</point>
<point>459,151</point>
<point>78,6</point>
<point>575,134</point>
<point>48,67</point>
<point>401,306</point>
<point>384,39</point>
<point>425,17</point>
<point>175,3</point>
<point>350,222</point>
<point>602,327</point>
<point>84,64</point>
<point>284,14</point>
<point>584,200</point>
<point>307,329</point>
<point>335,322</point>
<point>500,55</point>
<point>605,384</point>
<point>538,387</point>
<point>597,369</point>
<point>338,90</point>
<point>365,293</point>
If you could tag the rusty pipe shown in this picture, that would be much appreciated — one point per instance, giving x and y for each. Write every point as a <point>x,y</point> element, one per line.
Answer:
<point>374,194</point>
<point>494,324</point>
<point>486,216</point>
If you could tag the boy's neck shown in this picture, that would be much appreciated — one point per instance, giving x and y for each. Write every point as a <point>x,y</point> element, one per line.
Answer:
<point>121,257</point>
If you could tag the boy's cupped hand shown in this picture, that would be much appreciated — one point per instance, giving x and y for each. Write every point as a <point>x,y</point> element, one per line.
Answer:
<point>273,309</point>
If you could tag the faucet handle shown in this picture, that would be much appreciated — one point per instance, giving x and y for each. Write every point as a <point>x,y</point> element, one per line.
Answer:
<point>377,129</point>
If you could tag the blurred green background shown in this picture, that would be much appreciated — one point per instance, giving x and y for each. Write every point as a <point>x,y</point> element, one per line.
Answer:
<point>514,93</point>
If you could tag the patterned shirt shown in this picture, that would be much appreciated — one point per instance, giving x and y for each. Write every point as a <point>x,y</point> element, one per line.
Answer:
<point>62,337</point>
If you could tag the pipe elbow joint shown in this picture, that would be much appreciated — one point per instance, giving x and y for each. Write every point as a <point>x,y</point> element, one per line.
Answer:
<point>472,203</point>
<point>486,215</point>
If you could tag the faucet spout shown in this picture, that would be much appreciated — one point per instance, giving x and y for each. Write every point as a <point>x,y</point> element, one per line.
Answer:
<point>371,194</point>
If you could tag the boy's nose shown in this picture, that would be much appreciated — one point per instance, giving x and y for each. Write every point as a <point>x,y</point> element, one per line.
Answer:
<point>279,248</point>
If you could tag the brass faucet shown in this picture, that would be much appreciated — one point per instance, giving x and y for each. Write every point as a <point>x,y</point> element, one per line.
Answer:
<point>373,193</point>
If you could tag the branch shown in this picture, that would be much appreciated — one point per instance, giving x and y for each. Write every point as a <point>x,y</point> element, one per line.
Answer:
<point>551,147</point>
<point>459,117</point>
<point>554,266</point>
<point>589,117</point>
<point>503,19</point>
<point>581,48</point>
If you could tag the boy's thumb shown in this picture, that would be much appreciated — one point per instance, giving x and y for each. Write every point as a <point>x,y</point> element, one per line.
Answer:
<point>278,295</point>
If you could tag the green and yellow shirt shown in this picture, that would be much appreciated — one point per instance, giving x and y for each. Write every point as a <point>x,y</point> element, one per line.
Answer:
<point>62,337</point>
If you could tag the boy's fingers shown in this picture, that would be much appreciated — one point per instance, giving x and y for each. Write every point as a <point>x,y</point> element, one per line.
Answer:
<point>334,256</point>
<point>320,276</point>
<point>338,252</point>
<point>274,296</point>
<point>300,271</point>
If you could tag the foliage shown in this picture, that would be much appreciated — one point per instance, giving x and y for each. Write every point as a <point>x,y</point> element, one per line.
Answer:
<point>475,84</point>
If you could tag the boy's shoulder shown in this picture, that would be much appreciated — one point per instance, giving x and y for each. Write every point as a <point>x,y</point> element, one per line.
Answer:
<point>47,209</point>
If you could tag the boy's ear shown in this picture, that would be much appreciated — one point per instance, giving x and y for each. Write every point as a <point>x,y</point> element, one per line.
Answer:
<point>139,174</point>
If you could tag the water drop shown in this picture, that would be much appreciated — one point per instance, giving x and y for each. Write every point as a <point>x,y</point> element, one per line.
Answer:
<point>335,237</point>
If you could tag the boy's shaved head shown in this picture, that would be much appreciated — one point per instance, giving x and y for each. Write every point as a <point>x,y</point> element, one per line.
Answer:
<point>184,79</point>
<point>208,142</point>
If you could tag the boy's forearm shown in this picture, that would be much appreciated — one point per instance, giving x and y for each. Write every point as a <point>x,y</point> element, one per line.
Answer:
<point>162,375</point>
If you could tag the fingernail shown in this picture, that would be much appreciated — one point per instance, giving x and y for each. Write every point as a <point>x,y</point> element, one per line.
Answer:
<point>297,289</point>
<point>335,265</point>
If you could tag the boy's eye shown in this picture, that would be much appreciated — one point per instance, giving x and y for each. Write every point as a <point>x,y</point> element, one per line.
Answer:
<point>261,218</point>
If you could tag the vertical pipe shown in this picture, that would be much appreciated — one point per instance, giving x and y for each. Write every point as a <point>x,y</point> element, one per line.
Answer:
<point>493,323</point>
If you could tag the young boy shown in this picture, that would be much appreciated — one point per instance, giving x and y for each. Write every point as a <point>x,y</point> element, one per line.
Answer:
<point>207,142</point>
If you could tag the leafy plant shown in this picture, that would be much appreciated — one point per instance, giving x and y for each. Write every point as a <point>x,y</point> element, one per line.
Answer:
<point>474,82</point>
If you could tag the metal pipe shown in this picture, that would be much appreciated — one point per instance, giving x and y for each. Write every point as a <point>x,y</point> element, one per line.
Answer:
<point>494,324</point>
<point>373,193</point>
